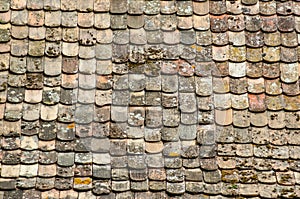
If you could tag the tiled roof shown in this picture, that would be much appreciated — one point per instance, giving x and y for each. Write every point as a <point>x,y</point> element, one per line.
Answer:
<point>104,99</point>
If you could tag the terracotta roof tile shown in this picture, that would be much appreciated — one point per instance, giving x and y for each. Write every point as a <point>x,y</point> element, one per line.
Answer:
<point>257,102</point>
<point>234,7</point>
<point>251,9</point>
<point>19,47</point>
<point>258,119</point>
<point>237,38</point>
<point>271,54</point>
<point>286,23</point>
<point>203,37</point>
<point>267,7</point>
<point>273,86</point>
<point>288,54</point>
<point>37,33</point>
<point>241,118</point>
<point>201,7</point>
<point>239,101</point>
<point>118,21</point>
<point>5,17</point>
<point>219,23</point>
<point>291,89</point>
<point>86,52</point>
<point>118,7</point>
<point>220,38</point>
<point>236,23</point>
<point>201,22</point>
<point>102,20</point>
<point>184,8</point>
<point>135,21</point>
<point>168,22</point>
<point>253,23</point>
<point>256,85</point>
<point>19,32</point>
<point>291,103</point>
<point>255,39</point>
<point>289,39</point>
<point>85,5</point>
<point>65,5</point>
<point>289,72</point>
<point>152,22</point>
<point>269,23</point>
<point>185,22</point>
<point>217,7</point>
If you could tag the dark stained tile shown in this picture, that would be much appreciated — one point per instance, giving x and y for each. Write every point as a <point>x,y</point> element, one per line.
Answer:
<point>286,23</point>
<point>267,7</point>
<point>219,23</point>
<point>217,7</point>
<point>269,23</point>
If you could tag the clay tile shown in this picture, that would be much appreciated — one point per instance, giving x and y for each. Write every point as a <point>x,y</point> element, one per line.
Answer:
<point>258,119</point>
<point>152,22</point>
<point>18,4</point>
<point>69,19</point>
<point>234,7</point>
<point>237,69</point>
<point>70,34</point>
<point>254,54</point>
<point>274,102</point>
<point>5,17</point>
<point>121,36</point>
<point>286,23</point>
<point>271,54</point>
<point>155,37</point>
<point>135,6</point>
<point>171,37</point>
<point>249,2</point>
<point>118,7</point>
<point>53,34</point>
<point>284,8</point>
<point>67,5</point>
<point>4,5</point>
<point>236,22</point>
<point>19,47</point>
<point>254,70</point>
<point>237,54</point>
<point>221,84</point>
<point>201,8</point>
<point>256,85</point>
<point>201,22</point>
<point>87,37</point>
<point>203,37</point>
<point>13,112</point>
<point>69,81</point>
<point>218,23</point>
<point>292,120</point>
<point>291,89</point>
<point>17,65</point>
<point>221,69</point>
<point>297,23</point>
<point>184,8</point>
<point>185,22</point>
<point>204,54</point>
<point>217,7</point>
<point>168,22</point>
<point>220,53</point>
<point>273,86</point>
<point>255,39</point>
<point>291,103</point>
<point>102,20</point>
<point>253,23</point>
<point>5,35</point>
<point>85,20</point>
<point>271,70</point>
<point>296,7</point>
<point>241,118</point>
<point>33,96</point>
<point>239,101</point>
<point>272,38</point>
<point>267,7</point>
<point>37,33</point>
<point>53,66</point>
<point>36,48</point>
<point>118,21</point>
<point>269,23</point>
<point>52,4</point>
<point>137,36</point>
<point>168,7</point>
<point>4,60</point>
<point>223,117</point>
<point>220,38</point>
<point>19,32</point>
<point>288,54</point>
<point>152,7</point>
<point>238,85</point>
<point>135,21</point>
<point>19,17</point>
<point>85,5</point>
<point>187,37</point>
<point>257,102</point>
<point>237,38</point>
<point>289,39</point>
<point>251,9</point>
<point>289,72</point>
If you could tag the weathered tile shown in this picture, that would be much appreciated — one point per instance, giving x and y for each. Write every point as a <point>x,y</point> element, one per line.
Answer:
<point>69,19</point>
<point>236,22</point>
<point>219,23</point>
<point>217,7</point>
<point>289,39</point>
<point>286,23</point>
<point>267,7</point>
<point>135,21</point>
<point>269,23</point>
<point>273,86</point>
<point>201,22</point>
<point>53,34</point>
<point>237,69</point>
<point>255,39</point>
<point>289,72</point>
<point>19,32</point>
<point>19,17</point>
<point>36,18</point>
<point>19,47</point>
<point>271,54</point>
<point>253,23</point>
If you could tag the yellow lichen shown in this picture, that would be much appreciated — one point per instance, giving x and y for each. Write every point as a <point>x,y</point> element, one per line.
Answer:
<point>84,181</point>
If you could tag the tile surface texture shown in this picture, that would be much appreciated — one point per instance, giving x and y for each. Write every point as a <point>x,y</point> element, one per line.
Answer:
<point>149,99</point>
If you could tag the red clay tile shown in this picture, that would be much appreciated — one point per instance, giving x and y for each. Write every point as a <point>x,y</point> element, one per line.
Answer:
<point>237,69</point>
<point>257,102</point>
<point>269,23</point>
<point>19,17</point>
<point>238,85</point>
<point>219,23</point>
<point>118,7</point>
<point>271,70</point>
<point>254,54</point>
<point>284,8</point>
<point>49,113</point>
<point>220,53</point>
<point>221,69</point>
<point>251,9</point>
<point>85,5</point>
